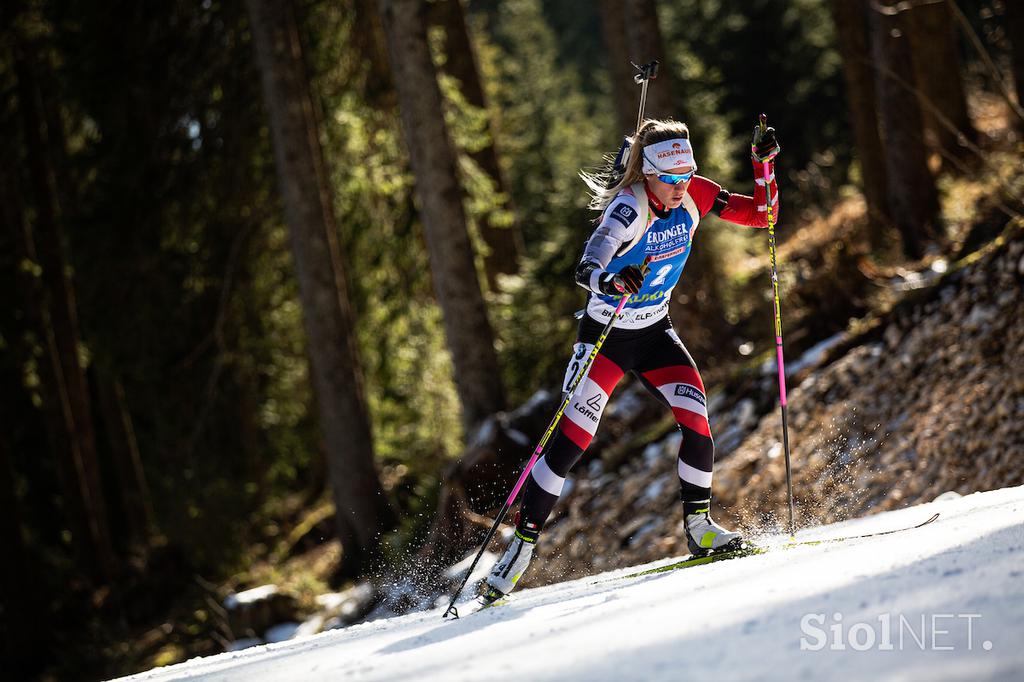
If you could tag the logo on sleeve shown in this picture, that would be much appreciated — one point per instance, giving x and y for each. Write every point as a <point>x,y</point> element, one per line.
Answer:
<point>624,214</point>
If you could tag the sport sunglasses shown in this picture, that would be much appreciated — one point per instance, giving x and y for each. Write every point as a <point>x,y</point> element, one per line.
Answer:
<point>670,179</point>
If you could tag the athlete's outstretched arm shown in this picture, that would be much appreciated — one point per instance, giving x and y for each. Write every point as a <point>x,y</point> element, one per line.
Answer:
<point>737,208</point>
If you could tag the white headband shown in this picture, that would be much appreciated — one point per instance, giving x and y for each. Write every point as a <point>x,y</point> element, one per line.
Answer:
<point>667,156</point>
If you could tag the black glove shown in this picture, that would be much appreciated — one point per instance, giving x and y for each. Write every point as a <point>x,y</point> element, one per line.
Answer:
<point>764,146</point>
<point>628,280</point>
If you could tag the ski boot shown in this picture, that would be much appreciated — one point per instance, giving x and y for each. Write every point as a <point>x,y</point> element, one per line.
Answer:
<point>509,569</point>
<point>704,536</point>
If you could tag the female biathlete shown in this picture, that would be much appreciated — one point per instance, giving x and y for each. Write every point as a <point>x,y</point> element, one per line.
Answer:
<point>650,215</point>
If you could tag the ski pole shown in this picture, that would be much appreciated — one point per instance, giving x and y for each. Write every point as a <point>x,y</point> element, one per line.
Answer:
<point>580,376</point>
<point>763,123</point>
<point>645,74</point>
<point>648,72</point>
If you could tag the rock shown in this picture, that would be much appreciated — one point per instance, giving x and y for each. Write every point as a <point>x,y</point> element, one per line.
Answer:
<point>256,609</point>
<point>980,316</point>
<point>311,625</point>
<point>1007,297</point>
<point>652,453</point>
<point>653,491</point>
<point>243,643</point>
<point>281,632</point>
<point>625,407</point>
<point>631,527</point>
<point>671,442</point>
<point>746,413</point>
<point>352,604</point>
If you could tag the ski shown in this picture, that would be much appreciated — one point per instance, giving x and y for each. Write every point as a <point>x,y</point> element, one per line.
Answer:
<point>483,601</point>
<point>700,560</point>
<point>754,549</point>
<point>811,543</point>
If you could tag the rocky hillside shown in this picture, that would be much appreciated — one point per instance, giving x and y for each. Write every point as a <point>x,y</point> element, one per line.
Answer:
<point>926,398</point>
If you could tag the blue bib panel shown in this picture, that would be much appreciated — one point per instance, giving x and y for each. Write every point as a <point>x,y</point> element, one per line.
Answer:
<point>667,243</point>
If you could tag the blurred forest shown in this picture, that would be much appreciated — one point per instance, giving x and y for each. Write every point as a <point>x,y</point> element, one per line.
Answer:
<point>269,267</point>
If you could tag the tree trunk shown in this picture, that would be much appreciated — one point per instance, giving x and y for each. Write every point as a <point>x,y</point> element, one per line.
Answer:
<point>504,242</point>
<point>30,302</point>
<point>368,39</point>
<point>362,512</point>
<point>624,90</point>
<point>469,334</point>
<point>646,44</point>
<point>22,610</point>
<point>1015,32</point>
<point>136,504</point>
<point>940,87</point>
<point>60,332</point>
<point>913,200</point>
<point>851,26</point>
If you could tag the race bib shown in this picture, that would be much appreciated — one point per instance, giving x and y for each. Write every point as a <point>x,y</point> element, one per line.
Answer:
<point>580,353</point>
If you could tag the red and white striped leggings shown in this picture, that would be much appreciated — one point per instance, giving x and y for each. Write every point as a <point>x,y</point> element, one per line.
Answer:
<point>658,358</point>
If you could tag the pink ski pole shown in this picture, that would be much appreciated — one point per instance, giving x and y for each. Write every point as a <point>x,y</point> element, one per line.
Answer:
<point>763,122</point>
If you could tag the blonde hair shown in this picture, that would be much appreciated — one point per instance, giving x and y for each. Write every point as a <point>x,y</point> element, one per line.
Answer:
<point>651,131</point>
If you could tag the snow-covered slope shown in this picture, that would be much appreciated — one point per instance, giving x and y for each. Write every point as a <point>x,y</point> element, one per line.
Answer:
<point>942,602</point>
